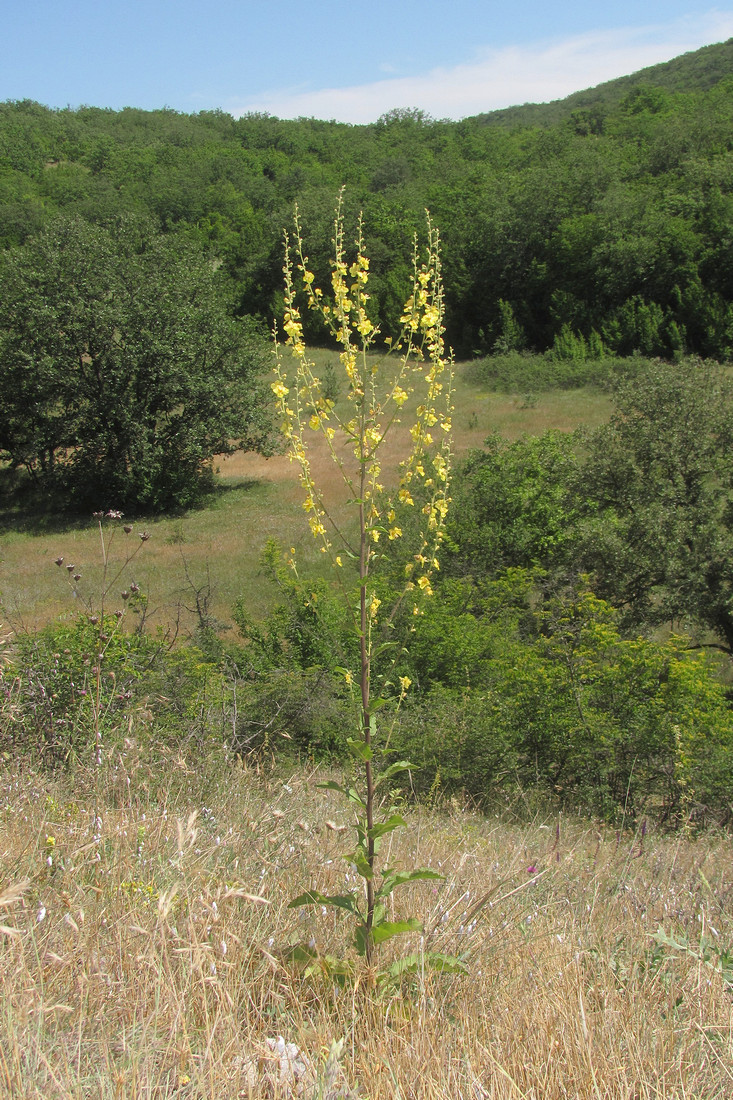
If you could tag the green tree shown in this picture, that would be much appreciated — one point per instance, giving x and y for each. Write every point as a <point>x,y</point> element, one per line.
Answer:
<point>121,374</point>
<point>512,506</point>
<point>657,490</point>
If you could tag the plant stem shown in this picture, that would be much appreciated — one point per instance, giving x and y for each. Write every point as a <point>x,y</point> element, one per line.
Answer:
<point>365,682</point>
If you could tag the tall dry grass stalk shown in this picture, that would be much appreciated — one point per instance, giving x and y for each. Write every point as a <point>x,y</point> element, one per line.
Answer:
<point>161,970</point>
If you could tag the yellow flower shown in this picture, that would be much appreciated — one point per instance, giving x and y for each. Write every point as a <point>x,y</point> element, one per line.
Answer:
<point>405,682</point>
<point>395,532</point>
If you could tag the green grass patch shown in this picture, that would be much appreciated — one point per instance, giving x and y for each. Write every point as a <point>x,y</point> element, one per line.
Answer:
<point>216,548</point>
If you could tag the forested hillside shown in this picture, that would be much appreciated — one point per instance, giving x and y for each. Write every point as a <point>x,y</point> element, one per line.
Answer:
<point>601,222</point>
<point>584,580</point>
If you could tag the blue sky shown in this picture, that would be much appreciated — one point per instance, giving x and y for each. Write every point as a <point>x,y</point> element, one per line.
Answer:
<point>337,59</point>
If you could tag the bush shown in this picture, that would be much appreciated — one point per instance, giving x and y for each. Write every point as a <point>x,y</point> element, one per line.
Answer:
<point>613,726</point>
<point>568,365</point>
<point>50,703</point>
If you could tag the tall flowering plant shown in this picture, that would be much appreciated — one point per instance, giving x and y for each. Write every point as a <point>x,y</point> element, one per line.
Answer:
<point>380,387</point>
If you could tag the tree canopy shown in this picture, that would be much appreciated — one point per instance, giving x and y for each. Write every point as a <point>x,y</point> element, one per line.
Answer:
<point>121,372</point>
<point>603,218</point>
<point>656,490</point>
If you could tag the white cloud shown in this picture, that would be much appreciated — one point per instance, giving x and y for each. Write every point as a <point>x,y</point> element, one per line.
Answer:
<point>493,78</point>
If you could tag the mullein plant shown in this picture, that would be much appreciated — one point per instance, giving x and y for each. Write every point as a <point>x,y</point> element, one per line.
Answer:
<point>378,388</point>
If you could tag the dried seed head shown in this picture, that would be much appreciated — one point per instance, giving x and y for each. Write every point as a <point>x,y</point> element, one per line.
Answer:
<point>134,588</point>
<point>59,561</point>
<point>144,537</point>
<point>77,576</point>
<point>127,528</point>
<point>71,568</point>
<point>94,620</point>
<point>97,515</point>
<point>118,614</point>
<point>125,595</point>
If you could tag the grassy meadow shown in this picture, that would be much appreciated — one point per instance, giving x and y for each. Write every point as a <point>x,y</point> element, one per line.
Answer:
<point>146,944</point>
<point>218,547</point>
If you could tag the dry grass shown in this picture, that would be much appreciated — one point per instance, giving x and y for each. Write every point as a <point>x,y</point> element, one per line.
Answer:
<point>152,964</point>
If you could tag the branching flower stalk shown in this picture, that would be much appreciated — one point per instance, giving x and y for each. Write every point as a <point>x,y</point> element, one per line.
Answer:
<point>380,385</point>
<point>105,626</point>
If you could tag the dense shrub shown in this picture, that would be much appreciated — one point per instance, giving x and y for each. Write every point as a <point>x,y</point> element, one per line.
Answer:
<point>615,726</point>
<point>557,369</point>
<point>53,702</point>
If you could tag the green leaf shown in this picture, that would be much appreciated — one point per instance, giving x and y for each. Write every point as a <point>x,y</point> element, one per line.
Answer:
<point>332,785</point>
<point>410,964</point>
<point>352,794</point>
<point>361,863</point>
<point>387,929</point>
<point>301,952</point>
<point>407,965</point>
<point>665,940</point>
<point>361,939</point>
<point>382,827</point>
<point>394,769</point>
<point>314,897</point>
<point>447,964</point>
<point>359,749</point>
<point>391,879</point>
